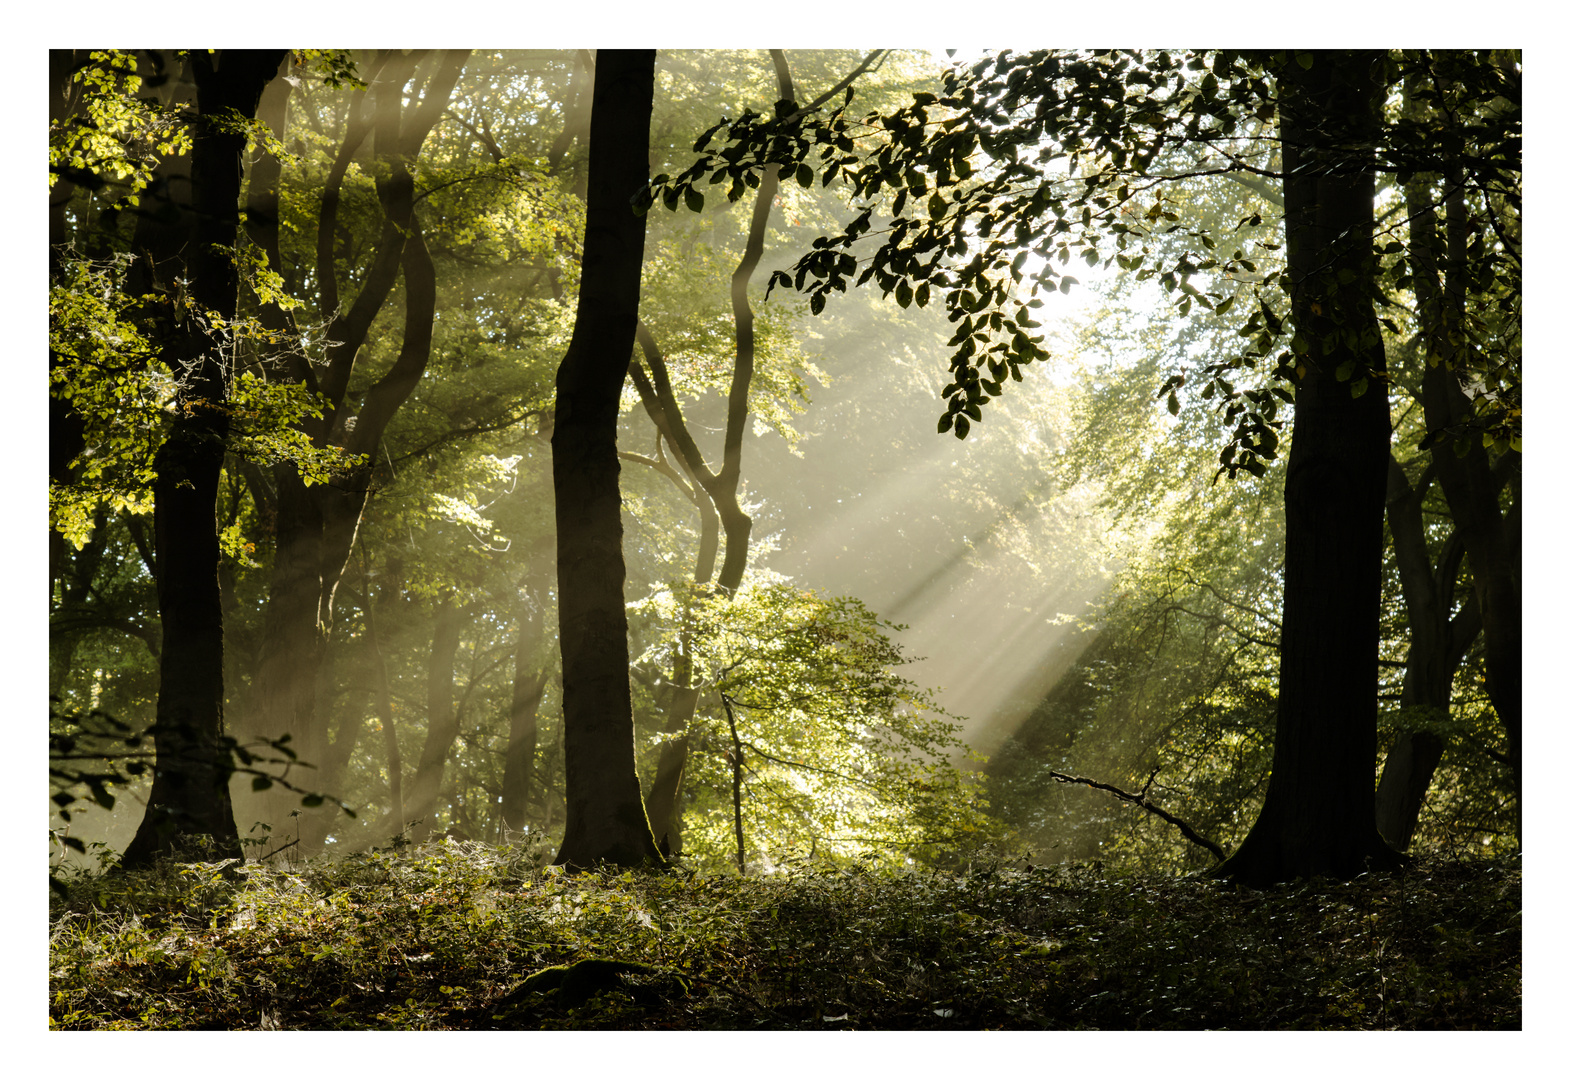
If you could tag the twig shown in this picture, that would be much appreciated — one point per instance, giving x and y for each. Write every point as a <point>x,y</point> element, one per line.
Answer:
<point>276,850</point>
<point>1141,801</point>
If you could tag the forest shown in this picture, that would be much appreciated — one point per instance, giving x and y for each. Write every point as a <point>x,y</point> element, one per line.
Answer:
<point>785,539</point>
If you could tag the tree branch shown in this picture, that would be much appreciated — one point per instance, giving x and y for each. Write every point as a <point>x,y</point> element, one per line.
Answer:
<point>1141,801</point>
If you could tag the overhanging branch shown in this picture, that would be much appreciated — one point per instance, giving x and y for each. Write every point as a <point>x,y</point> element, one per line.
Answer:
<point>1141,800</point>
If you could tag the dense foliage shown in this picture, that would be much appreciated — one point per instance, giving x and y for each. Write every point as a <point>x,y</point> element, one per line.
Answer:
<point>444,937</point>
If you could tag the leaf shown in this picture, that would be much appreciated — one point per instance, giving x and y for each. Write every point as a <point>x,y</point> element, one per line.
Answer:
<point>1172,403</point>
<point>962,427</point>
<point>1359,387</point>
<point>1306,60</point>
<point>804,175</point>
<point>261,783</point>
<point>903,293</point>
<point>946,422</point>
<point>695,200</point>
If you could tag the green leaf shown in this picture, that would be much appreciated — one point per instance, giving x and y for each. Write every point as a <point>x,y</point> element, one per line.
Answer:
<point>261,783</point>
<point>1306,60</point>
<point>962,427</point>
<point>903,293</point>
<point>1172,403</point>
<point>695,200</point>
<point>946,422</point>
<point>1359,387</point>
<point>804,175</point>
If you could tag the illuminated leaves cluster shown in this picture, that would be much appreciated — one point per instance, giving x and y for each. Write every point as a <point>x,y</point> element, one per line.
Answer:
<point>843,755</point>
<point>109,369</point>
<point>1060,155</point>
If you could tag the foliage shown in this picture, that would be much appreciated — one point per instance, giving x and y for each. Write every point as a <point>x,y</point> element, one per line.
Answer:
<point>1028,157</point>
<point>97,752</point>
<point>442,936</point>
<point>118,134</point>
<point>843,756</point>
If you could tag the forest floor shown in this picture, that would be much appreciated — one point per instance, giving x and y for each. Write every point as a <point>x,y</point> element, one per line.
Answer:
<point>444,936</point>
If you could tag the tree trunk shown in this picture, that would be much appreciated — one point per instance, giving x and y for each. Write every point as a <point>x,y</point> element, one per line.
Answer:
<point>1437,643</point>
<point>189,803</point>
<point>605,812</point>
<point>531,673</point>
<point>384,708</point>
<point>316,527</point>
<point>1492,539</point>
<point>1319,812</point>
<point>665,811</point>
<point>441,723</point>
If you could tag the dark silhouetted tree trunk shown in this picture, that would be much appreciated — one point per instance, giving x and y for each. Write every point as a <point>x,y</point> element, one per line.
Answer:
<point>189,803</point>
<point>1437,642</point>
<point>1319,812</point>
<point>605,811</point>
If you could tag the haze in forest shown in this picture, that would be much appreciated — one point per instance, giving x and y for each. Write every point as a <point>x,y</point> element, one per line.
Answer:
<point>1087,584</point>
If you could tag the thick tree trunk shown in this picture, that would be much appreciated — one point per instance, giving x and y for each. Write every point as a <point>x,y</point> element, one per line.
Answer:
<point>1319,812</point>
<point>189,803</point>
<point>605,812</point>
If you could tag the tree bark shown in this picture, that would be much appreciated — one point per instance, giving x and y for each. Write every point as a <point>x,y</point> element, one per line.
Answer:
<point>606,821</point>
<point>189,802</point>
<point>1437,642</point>
<point>1319,812</point>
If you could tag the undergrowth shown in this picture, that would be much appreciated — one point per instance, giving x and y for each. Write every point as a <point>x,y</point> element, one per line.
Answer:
<point>442,937</point>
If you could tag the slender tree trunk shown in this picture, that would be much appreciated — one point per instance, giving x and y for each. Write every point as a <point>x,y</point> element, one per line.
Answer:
<point>531,673</point>
<point>665,811</point>
<point>384,708</point>
<point>1493,539</point>
<point>441,722</point>
<point>189,802</point>
<point>605,811</point>
<point>1437,643</point>
<point>1319,813</point>
<point>316,527</point>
